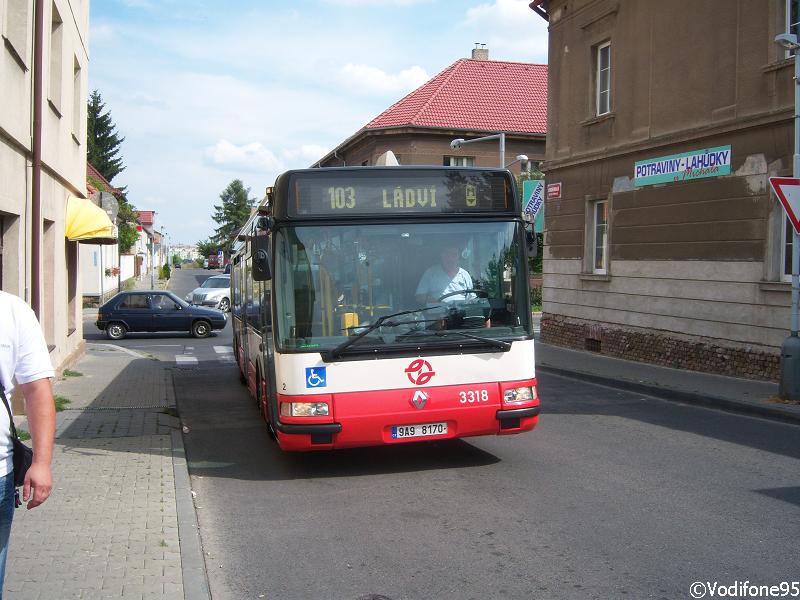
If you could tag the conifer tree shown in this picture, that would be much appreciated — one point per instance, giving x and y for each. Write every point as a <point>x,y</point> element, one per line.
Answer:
<point>232,213</point>
<point>103,142</point>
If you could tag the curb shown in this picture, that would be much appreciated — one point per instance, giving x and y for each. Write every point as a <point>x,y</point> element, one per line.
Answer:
<point>193,566</point>
<point>726,404</point>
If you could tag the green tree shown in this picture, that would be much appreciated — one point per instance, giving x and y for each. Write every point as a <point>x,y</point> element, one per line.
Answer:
<point>232,213</point>
<point>206,247</point>
<point>102,141</point>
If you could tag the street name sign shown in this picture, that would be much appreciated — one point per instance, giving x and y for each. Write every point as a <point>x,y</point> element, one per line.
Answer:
<point>787,189</point>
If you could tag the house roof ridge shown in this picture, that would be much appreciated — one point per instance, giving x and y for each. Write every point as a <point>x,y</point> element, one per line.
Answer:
<point>450,68</point>
<point>453,69</point>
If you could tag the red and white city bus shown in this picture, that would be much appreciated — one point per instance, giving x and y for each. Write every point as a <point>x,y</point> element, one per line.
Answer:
<point>378,305</point>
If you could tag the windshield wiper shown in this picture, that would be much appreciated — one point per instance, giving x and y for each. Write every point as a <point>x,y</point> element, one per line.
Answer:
<point>504,346</point>
<point>384,320</point>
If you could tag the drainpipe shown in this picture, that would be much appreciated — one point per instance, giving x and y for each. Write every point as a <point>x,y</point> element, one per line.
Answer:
<point>36,143</point>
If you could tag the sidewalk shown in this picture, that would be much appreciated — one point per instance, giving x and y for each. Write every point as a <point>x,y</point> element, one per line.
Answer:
<point>716,391</point>
<point>120,522</point>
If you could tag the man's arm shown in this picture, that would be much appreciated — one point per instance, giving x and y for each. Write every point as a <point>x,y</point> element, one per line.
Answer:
<point>41,412</point>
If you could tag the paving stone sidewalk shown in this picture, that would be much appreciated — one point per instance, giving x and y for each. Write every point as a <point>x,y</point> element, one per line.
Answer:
<point>111,527</point>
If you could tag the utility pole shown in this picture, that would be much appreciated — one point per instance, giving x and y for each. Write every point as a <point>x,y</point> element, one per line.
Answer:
<point>790,350</point>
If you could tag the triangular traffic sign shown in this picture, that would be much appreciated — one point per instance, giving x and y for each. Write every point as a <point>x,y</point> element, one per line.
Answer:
<point>788,191</point>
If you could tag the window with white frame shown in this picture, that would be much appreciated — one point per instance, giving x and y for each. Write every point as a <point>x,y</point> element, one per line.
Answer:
<point>459,161</point>
<point>787,237</point>
<point>603,79</point>
<point>792,17</point>
<point>600,237</point>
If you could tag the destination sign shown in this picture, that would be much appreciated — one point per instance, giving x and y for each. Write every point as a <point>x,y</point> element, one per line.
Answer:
<point>381,192</point>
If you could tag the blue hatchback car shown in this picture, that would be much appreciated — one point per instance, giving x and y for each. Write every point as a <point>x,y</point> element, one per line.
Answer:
<point>156,311</point>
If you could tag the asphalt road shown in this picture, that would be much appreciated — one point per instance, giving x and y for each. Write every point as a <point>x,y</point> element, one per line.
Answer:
<point>614,495</point>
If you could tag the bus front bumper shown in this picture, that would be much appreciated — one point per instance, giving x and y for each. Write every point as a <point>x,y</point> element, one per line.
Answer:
<point>328,436</point>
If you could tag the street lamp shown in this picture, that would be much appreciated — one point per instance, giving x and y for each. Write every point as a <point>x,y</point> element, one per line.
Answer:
<point>523,159</point>
<point>790,350</point>
<point>458,142</point>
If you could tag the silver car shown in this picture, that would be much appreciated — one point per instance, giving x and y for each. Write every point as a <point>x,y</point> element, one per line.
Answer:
<point>215,292</point>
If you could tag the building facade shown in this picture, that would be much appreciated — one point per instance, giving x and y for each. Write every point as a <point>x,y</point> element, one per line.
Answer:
<point>662,241</point>
<point>43,161</point>
<point>471,98</point>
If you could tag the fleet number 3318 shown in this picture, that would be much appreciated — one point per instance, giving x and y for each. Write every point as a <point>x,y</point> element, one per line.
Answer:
<point>473,396</point>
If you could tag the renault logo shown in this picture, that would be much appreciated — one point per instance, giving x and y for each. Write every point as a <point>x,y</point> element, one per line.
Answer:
<point>419,399</point>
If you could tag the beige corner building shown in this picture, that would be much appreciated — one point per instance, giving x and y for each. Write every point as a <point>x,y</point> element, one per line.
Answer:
<point>663,241</point>
<point>43,81</point>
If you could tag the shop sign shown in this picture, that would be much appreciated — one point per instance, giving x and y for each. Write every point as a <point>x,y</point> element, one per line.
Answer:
<point>709,162</point>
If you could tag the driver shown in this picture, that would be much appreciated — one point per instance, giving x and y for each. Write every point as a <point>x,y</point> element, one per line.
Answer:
<point>444,278</point>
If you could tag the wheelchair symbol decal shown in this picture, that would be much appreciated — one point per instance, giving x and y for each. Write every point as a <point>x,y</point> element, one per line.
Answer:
<point>316,377</point>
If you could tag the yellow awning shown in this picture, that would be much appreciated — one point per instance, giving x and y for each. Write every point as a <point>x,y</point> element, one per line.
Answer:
<point>88,223</point>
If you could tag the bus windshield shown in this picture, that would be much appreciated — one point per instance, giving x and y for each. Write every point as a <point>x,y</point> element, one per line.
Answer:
<point>459,284</point>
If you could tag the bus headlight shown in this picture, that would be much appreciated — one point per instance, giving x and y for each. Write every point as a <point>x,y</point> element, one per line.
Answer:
<point>304,409</point>
<point>519,395</point>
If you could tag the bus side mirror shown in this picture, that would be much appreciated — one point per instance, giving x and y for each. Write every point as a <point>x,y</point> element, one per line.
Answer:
<point>260,250</point>
<point>530,243</point>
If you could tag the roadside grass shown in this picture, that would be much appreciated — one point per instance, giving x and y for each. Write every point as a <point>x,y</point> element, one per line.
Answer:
<point>23,435</point>
<point>71,373</point>
<point>61,403</point>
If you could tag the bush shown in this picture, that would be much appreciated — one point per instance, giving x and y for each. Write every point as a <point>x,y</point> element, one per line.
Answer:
<point>536,299</point>
<point>164,272</point>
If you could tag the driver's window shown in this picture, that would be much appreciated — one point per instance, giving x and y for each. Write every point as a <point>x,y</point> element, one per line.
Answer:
<point>161,303</point>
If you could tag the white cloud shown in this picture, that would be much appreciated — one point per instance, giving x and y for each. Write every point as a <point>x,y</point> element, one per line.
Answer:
<point>248,157</point>
<point>513,29</point>
<point>375,2</point>
<point>146,4</point>
<point>101,32</point>
<point>305,154</point>
<point>372,80</point>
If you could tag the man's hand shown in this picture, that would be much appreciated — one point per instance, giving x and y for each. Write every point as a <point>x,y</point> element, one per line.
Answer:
<point>40,408</point>
<point>38,485</point>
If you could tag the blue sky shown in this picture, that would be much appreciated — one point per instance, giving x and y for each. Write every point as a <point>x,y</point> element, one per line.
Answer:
<point>206,92</point>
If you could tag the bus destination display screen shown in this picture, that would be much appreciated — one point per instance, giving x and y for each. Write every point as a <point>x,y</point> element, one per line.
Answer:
<point>366,193</point>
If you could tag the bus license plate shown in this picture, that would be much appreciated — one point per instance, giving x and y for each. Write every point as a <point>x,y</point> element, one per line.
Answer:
<point>424,430</point>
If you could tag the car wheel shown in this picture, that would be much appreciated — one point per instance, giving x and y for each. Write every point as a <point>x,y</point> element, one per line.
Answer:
<point>201,329</point>
<point>115,331</point>
<point>224,305</point>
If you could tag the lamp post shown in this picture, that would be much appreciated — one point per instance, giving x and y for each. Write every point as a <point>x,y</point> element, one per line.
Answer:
<point>458,142</point>
<point>790,350</point>
<point>525,166</point>
<point>153,261</point>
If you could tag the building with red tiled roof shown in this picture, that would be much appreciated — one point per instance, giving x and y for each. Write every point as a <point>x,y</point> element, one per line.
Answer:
<point>471,98</point>
<point>146,217</point>
<point>95,182</point>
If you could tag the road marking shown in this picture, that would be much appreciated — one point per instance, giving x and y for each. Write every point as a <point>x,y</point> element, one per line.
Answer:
<point>223,349</point>
<point>126,350</point>
<point>185,359</point>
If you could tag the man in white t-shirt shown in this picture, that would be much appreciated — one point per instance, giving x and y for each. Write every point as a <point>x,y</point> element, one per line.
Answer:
<point>24,359</point>
<point>444,278</point>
